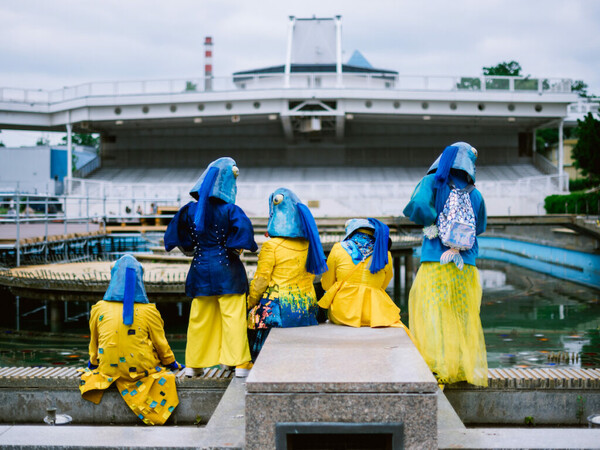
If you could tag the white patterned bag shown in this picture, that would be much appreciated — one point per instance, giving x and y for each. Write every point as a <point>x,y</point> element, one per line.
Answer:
<point>456,225</point>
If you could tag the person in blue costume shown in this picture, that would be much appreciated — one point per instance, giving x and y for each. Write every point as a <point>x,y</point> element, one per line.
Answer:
<point>445,298</point>
<point>128,348</point>
<point>215,230</point>
<point>282,293</point>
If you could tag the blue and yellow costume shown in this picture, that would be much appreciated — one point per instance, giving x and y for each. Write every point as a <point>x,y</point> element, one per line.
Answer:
<point>214,229</point>
<point>128,347</point>
<point>356,295</point>
<point>282,293</point>
<point>444,301</point>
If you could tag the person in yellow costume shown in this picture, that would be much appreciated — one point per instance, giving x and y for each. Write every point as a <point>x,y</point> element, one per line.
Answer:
<point>445,299</point>
<point>360,269</point>
<point>128,347</point>
<point>282,293</point>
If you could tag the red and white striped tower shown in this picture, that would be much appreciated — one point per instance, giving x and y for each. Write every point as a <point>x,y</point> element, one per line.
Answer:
<point>208,72</point>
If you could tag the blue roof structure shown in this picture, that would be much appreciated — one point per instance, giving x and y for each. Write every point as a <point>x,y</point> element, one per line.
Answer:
<point>358,60</point>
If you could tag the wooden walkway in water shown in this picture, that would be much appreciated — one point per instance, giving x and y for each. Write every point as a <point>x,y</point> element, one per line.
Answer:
<point>507,378</point>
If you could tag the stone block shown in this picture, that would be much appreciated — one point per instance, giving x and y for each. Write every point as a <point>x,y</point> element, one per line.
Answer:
<point>337,374</point>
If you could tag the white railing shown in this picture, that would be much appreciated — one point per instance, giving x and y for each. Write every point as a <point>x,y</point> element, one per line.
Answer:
<point>543,164</point>
<point>583,107</point>
<point>523,196</point>
<point>378,81</point>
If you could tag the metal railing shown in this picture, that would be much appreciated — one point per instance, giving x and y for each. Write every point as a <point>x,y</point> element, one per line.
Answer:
<point>376,81</point>
<point>58,219</point>
<point>543,164</point>
<point>88,168</point>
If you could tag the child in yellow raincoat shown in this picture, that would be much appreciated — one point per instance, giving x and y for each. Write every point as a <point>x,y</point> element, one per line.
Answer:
<point>360,269</point>
<point>282,293</point>
<point>128,347</point>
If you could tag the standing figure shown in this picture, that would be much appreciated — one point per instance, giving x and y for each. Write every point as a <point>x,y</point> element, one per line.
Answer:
<point>128,347</point>
<point>360,269</point>
<point>282,293</point>
<point>445,298</point>
<point>215,230</point>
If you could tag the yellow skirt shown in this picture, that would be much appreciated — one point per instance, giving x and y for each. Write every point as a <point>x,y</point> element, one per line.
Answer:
<point>443,306</point>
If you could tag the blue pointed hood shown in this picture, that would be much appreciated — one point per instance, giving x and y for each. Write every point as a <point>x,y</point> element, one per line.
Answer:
<point>126,285</point>
<point>284,220</point>
<point>464,160</point>
<point>289,217</point>
<point>224,185</point>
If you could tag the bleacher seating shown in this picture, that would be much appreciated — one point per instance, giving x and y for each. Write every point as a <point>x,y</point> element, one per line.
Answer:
<point>331,191</point>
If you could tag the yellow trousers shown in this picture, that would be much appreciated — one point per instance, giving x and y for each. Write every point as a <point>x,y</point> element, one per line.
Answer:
<point>217,332</point>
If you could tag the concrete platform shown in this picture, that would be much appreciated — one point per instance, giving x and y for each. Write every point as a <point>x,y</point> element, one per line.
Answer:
<point>337,374</point>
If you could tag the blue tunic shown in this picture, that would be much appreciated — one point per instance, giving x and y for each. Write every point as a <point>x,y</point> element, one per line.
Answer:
<point>216,268</point>
<point>421,210</point>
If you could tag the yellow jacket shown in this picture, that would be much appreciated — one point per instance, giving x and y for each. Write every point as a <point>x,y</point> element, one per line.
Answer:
<point>281,276</point>
<point>117,349</point>
<point>131,357</point>
<point>361,300</point>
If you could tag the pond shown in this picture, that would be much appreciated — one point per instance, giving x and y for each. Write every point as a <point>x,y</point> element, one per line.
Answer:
<point>529,320</point>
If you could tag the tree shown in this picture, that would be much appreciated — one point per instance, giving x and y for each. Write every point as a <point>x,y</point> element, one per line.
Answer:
<point>42,141</point>
<point>2,144</point>
<point>509,69</point>
<point>580,87</point>
<point>83,139</point>
<point>586,152</point>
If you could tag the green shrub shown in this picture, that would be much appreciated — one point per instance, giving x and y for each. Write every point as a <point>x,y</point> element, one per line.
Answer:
<point>576,203</point>
<point>580,184</point>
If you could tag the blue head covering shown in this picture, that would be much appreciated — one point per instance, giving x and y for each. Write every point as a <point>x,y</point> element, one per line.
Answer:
<point>218,181</point>
<point>381,232</point>
<point>288,217</point>
<point>460,156</point>
<point>126,285</point>
<point>464,160</point>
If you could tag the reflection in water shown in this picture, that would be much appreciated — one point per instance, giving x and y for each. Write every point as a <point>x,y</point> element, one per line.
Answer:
<point>533,320</point>
<point>529,320</point>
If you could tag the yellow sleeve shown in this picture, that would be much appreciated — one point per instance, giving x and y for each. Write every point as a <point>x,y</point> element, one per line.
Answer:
<point>93,348</point>
<point>262,277</point>
<point>156,328</point>
<point>328,278</point>
<point>389,271</point>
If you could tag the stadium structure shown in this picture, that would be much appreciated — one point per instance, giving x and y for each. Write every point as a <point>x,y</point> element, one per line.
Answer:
<point>349,138</point>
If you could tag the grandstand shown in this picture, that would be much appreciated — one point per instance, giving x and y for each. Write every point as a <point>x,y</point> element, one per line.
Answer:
<point>349,138</point>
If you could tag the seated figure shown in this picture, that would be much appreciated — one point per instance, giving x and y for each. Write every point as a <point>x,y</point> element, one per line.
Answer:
<point>282,293</point>
<point>360,268</point>
<point>128,347</point>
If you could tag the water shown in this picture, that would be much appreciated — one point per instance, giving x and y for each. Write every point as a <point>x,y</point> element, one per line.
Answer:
<point>529,320</point>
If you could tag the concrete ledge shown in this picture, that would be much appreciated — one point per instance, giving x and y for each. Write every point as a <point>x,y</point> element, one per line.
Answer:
<point>26,401</point>
<point>338,374</point>
<point>511,407</point>
<point>519,438</point>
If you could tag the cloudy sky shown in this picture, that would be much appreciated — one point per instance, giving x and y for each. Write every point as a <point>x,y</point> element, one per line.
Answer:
<point>50,44</point>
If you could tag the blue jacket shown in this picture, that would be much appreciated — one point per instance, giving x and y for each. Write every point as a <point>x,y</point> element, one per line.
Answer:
<point>421,210</point>
<point>216,268</point>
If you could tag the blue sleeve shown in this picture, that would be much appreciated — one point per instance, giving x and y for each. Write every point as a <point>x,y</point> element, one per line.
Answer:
<point>421,208</point>
<point>178,231</point>
<point>241,234</point>
<point>480,211</point>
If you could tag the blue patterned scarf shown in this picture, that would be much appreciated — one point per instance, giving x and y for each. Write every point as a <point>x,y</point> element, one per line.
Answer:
<point>359,246</point>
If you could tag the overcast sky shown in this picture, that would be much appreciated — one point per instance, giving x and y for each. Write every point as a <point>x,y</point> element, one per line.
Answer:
<point>49,44</point>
